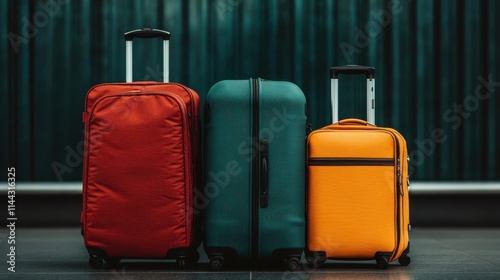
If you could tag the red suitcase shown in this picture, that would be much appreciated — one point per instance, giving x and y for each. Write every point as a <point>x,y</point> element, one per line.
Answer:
<point>140,166</point>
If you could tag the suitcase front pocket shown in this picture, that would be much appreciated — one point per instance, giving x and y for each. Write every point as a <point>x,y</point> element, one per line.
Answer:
<point>351,206</point>
<point>138,169</point>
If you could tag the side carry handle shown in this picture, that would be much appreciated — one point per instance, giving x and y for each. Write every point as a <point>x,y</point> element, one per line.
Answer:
<point>370,89</point>
<point>264,186</point>
<point>146,33</point>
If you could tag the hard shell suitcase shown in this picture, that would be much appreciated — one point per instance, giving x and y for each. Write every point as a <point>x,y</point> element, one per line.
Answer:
<point>357,204</point>
<point>141,153</point>
<point>254,189</point>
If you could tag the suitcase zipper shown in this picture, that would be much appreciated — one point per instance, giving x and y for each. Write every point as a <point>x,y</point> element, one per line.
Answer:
<point>114,84</point>
<point>399,193</point>
<point>255,167</point>
<point>339,161</point>
<point>191,96</point>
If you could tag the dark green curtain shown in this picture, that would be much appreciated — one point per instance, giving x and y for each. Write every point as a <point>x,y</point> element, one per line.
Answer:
<point>437,66</point>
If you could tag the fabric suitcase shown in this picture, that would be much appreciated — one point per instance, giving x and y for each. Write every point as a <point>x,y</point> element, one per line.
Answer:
<point>357,206</point>
<point>254,190</point>
<point>141,154</point>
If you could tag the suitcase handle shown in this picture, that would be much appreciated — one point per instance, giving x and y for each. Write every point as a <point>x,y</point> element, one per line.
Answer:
<point>352,70</point>
<point>370,89</point>
<point>146,33</point>
<point>264,186</point>
<point>354,122</point>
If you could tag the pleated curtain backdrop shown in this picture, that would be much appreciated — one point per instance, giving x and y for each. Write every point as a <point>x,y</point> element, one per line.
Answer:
<point>437,69</point>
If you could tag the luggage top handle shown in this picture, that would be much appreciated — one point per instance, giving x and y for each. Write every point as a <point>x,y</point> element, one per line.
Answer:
<point>352,70</point>
<point>146,33</point>
<point>370,89</point>
<point>354,122</point>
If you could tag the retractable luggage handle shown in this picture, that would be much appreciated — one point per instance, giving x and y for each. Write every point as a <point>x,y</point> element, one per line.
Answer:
<point>146,33</point>
<point>370,89</point>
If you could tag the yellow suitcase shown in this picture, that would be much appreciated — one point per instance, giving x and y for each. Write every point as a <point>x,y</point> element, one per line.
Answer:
<point>357,187</point>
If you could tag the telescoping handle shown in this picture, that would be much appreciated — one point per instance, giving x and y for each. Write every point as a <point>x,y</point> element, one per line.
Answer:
<point>370,89</point>
<point>146,33</point>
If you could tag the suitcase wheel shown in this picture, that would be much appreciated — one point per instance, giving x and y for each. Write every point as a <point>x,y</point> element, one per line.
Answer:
<point>404,260</point>
<point>382,262</point>
<point>314,262</point>
<point>181,262</point>
<point>216,263</point>
<point>293,264</point>
<point>95,261</point>
<point>112,261</point>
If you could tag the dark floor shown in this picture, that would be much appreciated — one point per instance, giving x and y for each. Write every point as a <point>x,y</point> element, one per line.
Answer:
<point>58,253</point>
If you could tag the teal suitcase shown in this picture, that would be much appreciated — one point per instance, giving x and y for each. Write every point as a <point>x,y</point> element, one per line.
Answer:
<point>253,195</point>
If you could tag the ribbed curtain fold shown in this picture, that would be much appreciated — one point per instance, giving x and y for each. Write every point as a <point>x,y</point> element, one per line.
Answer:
<point>437,69</point>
